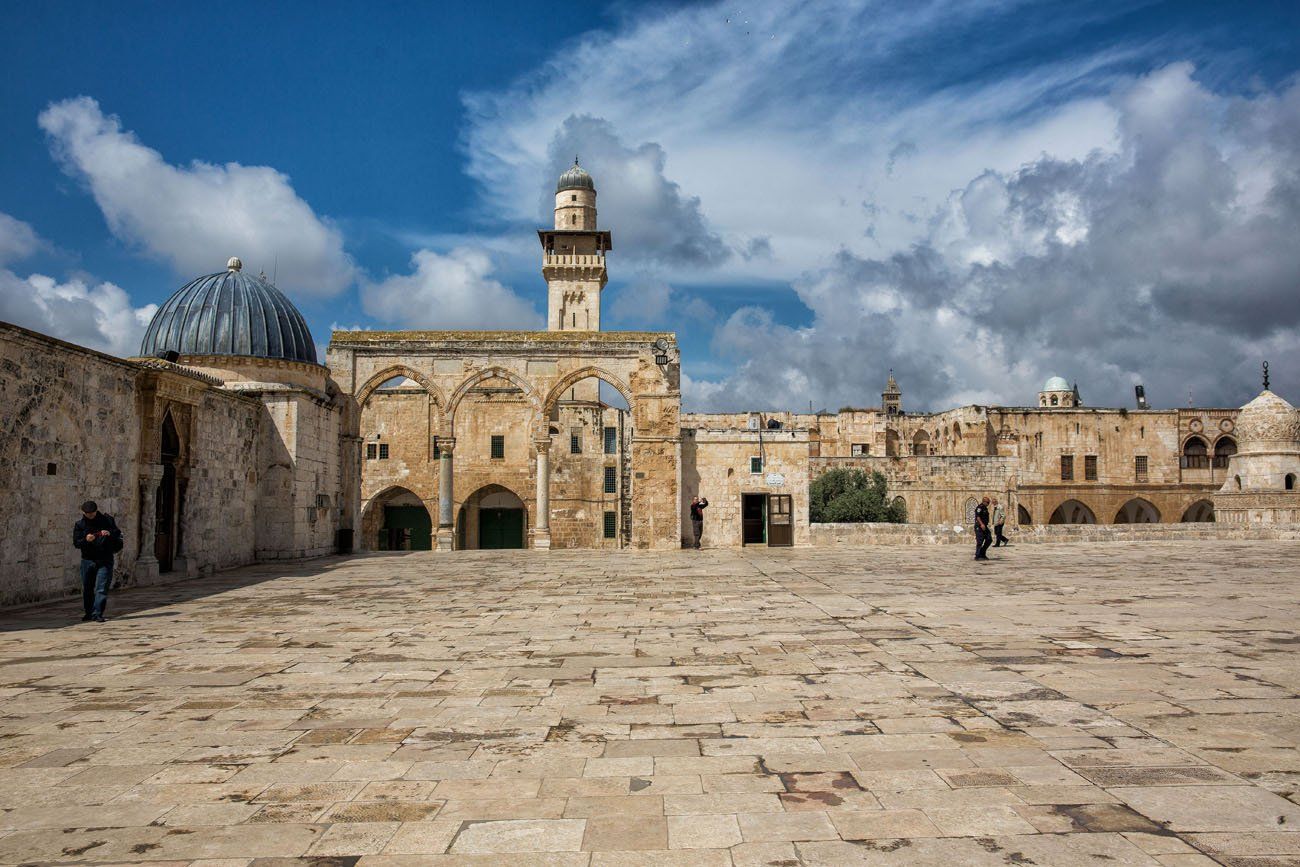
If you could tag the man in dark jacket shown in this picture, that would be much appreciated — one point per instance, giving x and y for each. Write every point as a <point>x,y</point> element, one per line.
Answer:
<point>983,535</point>
<point>698,506</point>
<point>97,537</point>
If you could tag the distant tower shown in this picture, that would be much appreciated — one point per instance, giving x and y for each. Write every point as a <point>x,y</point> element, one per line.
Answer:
<point>891,399</point>
<point>573,255</point>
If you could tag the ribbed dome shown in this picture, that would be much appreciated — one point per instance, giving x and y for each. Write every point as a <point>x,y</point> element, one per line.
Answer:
<point>576,178</point>
<point>1268,422</point>
<point>1056,383</point>
<point>230,313</point>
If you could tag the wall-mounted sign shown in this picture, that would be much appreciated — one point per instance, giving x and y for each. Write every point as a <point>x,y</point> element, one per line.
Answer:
<point>776,480</point>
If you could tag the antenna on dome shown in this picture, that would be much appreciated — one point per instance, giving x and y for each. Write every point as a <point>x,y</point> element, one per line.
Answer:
<point>275,267</point>
<point>575,159</point>
<point>1266,376</point>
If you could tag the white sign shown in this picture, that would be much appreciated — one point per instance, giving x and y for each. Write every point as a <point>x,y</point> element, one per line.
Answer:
<point>776,480</point>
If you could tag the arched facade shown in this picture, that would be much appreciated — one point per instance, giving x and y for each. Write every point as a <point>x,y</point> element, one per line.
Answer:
<point>1137,511</point>
<point>396,519</point>
<point>1072,512</point>
<point>921,443</point>
<point>1201,511</point>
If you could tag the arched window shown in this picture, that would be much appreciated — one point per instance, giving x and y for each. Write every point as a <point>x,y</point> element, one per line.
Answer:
<point>1054,400</point>
<point>1224,448</point>
<point>1289,482</point>
<point>1195,454</point>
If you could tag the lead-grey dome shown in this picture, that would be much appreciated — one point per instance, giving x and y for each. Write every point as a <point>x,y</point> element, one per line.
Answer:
<point>230,313</point>
<point>576,178</point>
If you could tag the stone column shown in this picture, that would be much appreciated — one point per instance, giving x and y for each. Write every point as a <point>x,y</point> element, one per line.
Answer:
<point>542,532</point>
<point>446,534</point>
<point>146,564</point>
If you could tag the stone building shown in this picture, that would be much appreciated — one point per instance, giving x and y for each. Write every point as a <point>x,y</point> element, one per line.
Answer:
<point>219,446</point>
<point>226,442</point>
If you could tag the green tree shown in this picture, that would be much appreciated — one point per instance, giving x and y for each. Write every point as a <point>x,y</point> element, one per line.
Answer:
<point>850,496</point>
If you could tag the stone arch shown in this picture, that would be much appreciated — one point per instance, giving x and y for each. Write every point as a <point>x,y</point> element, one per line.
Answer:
<point>376,535</point>
<point>1288,484</point>
<point>1201,511</point>
<point>1023,517</point>
<point>493,516</point>
<point>1072,512</point>
<point>1224,448</point>
<point>891,442</point>
<point>1138,511</point>
<point>372,384</point>
<point>577,376</point>
<point>921,443</point>
<point>496,371</point>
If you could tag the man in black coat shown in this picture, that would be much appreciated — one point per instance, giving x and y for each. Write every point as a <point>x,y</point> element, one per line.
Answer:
<point>983,535</point>
<point>97,537</point>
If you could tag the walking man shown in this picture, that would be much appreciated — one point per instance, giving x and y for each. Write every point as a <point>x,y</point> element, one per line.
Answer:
<point>697,518</point>
<point>983,536</point>
<point>97,537</point>
<point>999,521</point>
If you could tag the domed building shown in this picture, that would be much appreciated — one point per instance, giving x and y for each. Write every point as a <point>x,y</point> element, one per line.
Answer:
<point>1262,482</point>
<point>1058,393</point>
<point>238,328</point>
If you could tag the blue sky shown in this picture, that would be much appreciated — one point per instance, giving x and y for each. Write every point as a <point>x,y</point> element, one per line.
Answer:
<point>976,195</point>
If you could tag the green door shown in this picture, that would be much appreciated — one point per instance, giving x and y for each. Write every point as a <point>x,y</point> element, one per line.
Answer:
<point>406,528</point>
<point>501,528</point>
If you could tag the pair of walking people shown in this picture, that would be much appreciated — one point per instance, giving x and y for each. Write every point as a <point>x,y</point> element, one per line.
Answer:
<point>987,525</point>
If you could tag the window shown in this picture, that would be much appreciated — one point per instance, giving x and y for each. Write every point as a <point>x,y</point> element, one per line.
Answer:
<point>51,469</point>
<point>372,451</point>
<point>1140,468</point>
<point>611,480</point>
<point>437,449</point>
<point>611,525</point>
<point>498,447</point>
<point>755,465</point>
<point>383,451</point>
<point>611,440</point>
<point>1289,482</point>
<point>575,443</point>
<point>1090,468</point>
<point>1067,468</point>
<point>859,450</point>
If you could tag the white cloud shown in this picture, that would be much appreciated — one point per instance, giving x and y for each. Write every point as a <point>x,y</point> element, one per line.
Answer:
<point>1170,261</point>
<point>453,290</point>
<point>96,315</point>
<point>18,240</point>
<point>197,216</point>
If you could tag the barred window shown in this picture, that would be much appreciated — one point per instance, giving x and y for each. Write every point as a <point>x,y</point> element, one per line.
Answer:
<point>383,451</point>
<point>1067,468</point>
<point>1090,468</point>
<point>858,450</point>
<point>611,480</point>
<point>611,440</point>
<point>611,525</point>
<point>575,443</point>
<point>1140,468</point>
<point>755,465</point>
<point>498,447</point>
<point>372,451</point>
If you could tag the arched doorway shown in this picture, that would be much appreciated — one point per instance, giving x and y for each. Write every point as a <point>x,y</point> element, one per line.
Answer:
<point>166,503</point>
<point>1023,517</point>
<point>921,443</point>
<point>396,520</point>
<point>891,443</point>
<point>493,517</point>
<point>1137,511</point>
<point>1072,512</point>
<point>1202,511</point>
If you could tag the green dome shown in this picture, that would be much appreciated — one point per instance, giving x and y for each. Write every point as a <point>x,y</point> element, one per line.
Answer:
<point>1056,383</point>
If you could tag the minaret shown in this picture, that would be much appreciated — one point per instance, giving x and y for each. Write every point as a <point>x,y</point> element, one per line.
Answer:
<point>573,255</point>
<point>891,399</point>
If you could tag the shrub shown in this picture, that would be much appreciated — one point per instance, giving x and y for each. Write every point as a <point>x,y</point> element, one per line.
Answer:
<point>849,496</point>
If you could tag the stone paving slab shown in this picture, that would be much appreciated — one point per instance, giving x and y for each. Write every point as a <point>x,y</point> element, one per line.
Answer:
<point>1128,704</point>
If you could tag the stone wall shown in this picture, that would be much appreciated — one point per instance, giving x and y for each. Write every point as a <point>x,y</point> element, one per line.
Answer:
<point>865,535</point>
<point>219,519</point>
<point>936,488</point>
<point>300,493</point>
<point>69,431</point>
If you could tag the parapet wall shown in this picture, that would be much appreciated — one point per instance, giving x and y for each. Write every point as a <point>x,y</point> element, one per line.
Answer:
<point>859,535</point>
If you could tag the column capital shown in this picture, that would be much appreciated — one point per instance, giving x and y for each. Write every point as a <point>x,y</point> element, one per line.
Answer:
<point>542,444</point>
<point>446,445</point>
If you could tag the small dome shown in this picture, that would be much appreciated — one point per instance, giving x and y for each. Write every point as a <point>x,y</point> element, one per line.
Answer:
<point>1268,422</point>
<point>230,313</point>
<point>1056,383</point>
<point>576,178</point>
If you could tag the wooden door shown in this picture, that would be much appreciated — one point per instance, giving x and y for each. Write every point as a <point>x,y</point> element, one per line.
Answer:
<point>501,528</point>
<point>753,519</point>
<point>780,520</point>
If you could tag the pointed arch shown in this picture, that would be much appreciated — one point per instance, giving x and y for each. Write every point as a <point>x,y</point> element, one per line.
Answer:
<point>494,372</point>
<point>1138,511</point>
<point>577,376</point>
<point>364,393</point>
<point>1072,512</point>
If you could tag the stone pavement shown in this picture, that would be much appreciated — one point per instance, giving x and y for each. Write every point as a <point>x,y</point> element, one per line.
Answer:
<point>1121,704</point>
